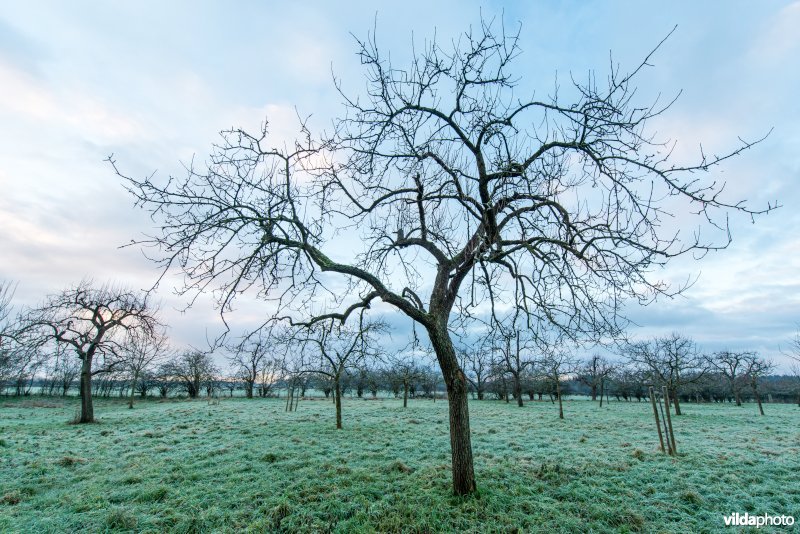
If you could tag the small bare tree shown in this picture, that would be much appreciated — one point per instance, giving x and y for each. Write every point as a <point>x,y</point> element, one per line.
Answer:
<point>193,369</point>
<point>253,363</point>
<point>93,322</point>
<point>556,365</point>
<point>756,368</point>
<point>339,348</point>
<point>476,363</point>
<point>732,366</point>
<point>143,350</point>
<point>673,361</point>
<point>594,374</point>
<point>514,349</point>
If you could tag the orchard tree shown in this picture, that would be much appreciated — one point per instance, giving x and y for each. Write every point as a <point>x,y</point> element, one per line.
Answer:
<point>444,188</point>
<point>253,363</point>
<point>333,348</point>
<point>732,366</point>
<point>476,364</point>
<point>142,351</point>
<point>673,361</point>
<point>556,365</point>
<point>513,346</point>
<point>94,323</point>
<point>594,374</point>
<point>192,368</point>
<point>756,368</point>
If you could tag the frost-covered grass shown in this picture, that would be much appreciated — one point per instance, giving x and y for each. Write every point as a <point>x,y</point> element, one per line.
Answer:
<point>186,466</point>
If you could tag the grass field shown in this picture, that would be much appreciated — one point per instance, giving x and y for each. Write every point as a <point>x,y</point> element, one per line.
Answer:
<point>186,466</point>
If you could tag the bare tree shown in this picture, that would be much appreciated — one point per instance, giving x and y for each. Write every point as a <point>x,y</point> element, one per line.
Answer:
<point>143,350</point>
<point>594,373</point>
<point>556,365</point>
<point>461,190</point>
<point>794,354</point>
<point>671,361</point>
<point>514,347</point>
<point>756,368</point>
<point>339,348</point>
<point>193,369</point>
<point>732,366</point>
<point>93,322</point>
<point>252,361</point>
<point>477,367</point>
<point>404,369</point>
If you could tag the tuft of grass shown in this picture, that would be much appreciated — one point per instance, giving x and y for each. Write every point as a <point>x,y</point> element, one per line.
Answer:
<point>270,458</point>
<point>691,497</point>
<point>157,494</point>
<point>120,518</point>
<point>399,467</point>
<point>638,454</point>
<point>12,497</point>
<point>69,461</point>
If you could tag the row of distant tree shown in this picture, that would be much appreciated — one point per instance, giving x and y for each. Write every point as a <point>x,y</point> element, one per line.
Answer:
<point>194,374</point>
<point>108,341</point>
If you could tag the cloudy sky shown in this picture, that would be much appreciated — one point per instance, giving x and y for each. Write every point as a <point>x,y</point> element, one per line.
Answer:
<point>153,83</point>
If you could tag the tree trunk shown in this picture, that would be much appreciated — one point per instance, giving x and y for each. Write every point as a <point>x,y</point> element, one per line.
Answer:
<point>338,394</point>
<point>480,396</point>
<point>87,408</point>
<point>518,390</point>
<point>602,385</point>
<point>133,389</point>
<point>405,393</point>
<point>458,404</point>
<point>758,399</point>
<point>558,394</point>
<point>676,402</point>
<point>594,394</point>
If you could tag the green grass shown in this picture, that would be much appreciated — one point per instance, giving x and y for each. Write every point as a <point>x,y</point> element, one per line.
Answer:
<point>246,465</point>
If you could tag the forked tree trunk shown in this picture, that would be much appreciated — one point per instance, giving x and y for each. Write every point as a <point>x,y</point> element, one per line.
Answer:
<point>87,408</point>
<point>457,399</point>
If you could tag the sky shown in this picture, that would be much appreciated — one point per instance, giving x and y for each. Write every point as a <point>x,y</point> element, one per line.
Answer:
<point>153,83</point>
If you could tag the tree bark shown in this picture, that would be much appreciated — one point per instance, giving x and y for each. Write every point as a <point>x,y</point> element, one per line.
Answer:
<point>676,402</point>
<point>602,385</point>
<point>518,390</point>
<point>133,389</point>
<point>405,393</point>
<point>457,399</point>
<point>338,394</point>
<point>87,408</point>
<point>558,394</point>
<point>758,399</point>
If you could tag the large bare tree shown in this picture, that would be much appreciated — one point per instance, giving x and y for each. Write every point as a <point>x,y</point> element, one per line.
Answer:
<point>92,321</point>
<point>444,188</point>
